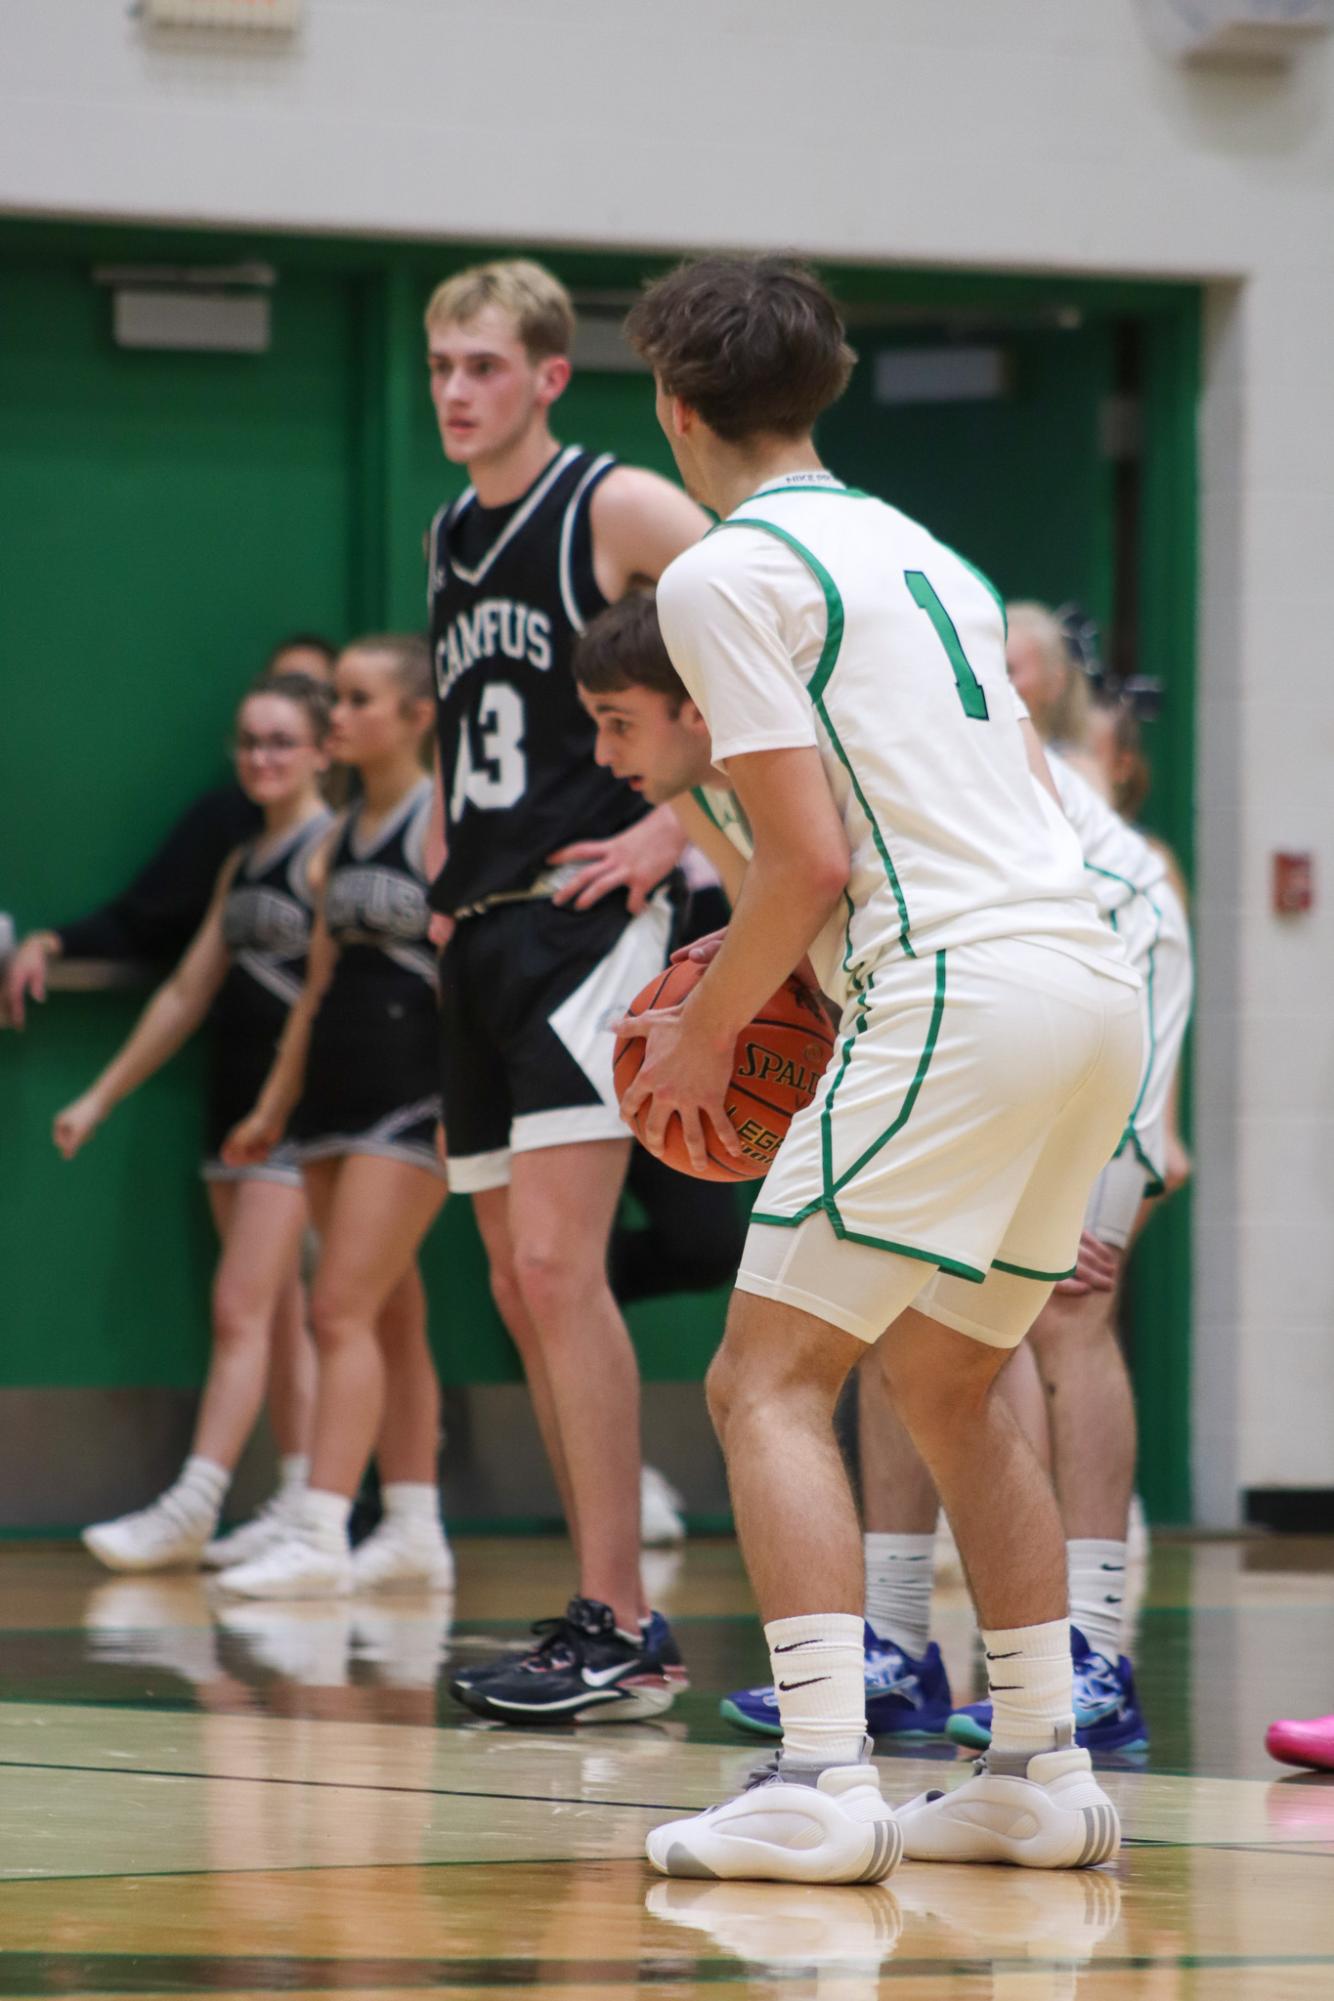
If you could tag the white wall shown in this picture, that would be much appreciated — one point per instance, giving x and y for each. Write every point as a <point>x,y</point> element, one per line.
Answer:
<point>1033,134</point>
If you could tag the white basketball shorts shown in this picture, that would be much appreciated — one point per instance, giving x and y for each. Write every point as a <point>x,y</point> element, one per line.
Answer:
<point>1137,1169</point>
<point>948,1156</point>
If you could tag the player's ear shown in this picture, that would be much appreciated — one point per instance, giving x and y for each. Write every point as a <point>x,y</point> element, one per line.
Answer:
<point>553,376</point>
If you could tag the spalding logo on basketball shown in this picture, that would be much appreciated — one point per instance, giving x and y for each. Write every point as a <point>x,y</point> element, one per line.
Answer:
<point>779,1060</point>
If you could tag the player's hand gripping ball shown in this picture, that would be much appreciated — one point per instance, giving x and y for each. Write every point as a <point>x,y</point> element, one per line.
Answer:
<point>776,1070</point>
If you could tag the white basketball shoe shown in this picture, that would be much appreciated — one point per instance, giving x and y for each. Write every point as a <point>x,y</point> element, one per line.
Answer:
<point>269,1524</point>
<point>395,1557</point>
<point>793,1824</point>
<point>1045,1811</point>
<point>165,1536</point>
<point>296,1567</point>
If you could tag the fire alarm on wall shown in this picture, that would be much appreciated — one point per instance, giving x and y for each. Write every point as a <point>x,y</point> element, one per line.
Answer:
<point>1294,884</point>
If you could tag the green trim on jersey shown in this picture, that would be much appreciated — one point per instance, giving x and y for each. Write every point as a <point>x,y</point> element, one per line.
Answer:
<point>950,1265</point>
<point>910,1099</point>
<point>986,583</point>
<point>834,492</point>
<point>701,799</point>
<point>1022,1271</point>
<point>1130,1137</point>
<point>819,681</point>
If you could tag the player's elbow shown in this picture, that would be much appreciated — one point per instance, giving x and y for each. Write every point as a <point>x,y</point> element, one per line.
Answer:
<point>829,871</point>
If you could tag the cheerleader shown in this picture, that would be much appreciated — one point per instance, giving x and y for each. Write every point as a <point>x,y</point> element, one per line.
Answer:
<point>355,1086</point>
<point>246,964</point>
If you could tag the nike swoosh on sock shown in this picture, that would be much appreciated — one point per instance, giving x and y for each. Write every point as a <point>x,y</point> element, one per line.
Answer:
<point>786,1687</point>
<point>793,1646</point>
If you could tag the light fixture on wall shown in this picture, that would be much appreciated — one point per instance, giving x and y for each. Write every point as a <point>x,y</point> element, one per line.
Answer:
<point>191,308</point>
<point>941,374</point>
<point>1237,32</point>
<point>264,17</point>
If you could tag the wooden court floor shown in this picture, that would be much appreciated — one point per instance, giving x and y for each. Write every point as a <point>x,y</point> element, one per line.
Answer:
<point>281,1800</point>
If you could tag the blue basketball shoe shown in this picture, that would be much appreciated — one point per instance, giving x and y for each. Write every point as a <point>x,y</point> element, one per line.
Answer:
<point>904,1697</point>
<point>1107,1712</point>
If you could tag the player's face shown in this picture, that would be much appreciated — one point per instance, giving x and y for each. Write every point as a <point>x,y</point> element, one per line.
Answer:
<point>371,722</point>
<point>1031,674</point>
<point>277,757</point>
<point>657,748</point>
<point>488,393</point>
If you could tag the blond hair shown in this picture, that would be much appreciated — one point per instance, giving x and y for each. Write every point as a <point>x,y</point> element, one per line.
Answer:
<point>1064,716</point>
<point>538,304</point>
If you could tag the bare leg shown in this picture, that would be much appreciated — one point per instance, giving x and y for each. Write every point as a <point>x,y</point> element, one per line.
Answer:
<point>562,1202</point>
<point>1021,1386</point>
<point>995,1492</point>
<point>898,1494</point>
<point>372,1214</point>
<point>772,1391</point>
<point>408,1447</point>
<point>1092,1413</point>
<point>261,1224</point>
<point>493,1222</point>
<point>291,1395</point>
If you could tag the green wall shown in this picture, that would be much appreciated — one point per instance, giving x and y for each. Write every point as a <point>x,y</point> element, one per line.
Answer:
<point>167,516</point>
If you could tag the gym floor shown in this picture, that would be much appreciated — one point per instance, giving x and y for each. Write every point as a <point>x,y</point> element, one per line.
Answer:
<point>259,1799</point>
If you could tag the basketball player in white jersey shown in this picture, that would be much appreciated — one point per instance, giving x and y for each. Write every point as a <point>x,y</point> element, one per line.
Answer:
<point>850,672</point>
<point>547,871</point>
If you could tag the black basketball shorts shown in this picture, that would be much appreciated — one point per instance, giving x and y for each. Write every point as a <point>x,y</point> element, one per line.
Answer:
<point>529,993</point>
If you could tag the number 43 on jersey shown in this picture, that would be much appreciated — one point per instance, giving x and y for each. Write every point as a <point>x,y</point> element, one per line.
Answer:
<point>491,770</point>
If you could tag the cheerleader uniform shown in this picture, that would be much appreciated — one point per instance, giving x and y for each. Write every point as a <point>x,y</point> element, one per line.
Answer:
<point>371,1073</point>
<point>266,922</point>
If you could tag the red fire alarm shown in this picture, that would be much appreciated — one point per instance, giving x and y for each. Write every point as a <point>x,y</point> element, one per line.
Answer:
<point>1294,884</point>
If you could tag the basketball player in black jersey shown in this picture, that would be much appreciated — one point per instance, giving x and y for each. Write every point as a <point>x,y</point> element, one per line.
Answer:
<point>551,885</point>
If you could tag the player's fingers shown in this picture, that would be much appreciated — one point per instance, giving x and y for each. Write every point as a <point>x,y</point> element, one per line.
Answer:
<point>692,1131</point>
<point>637,897</point>
<point>652,1128</point>
<point>726,1131</point>
<point>579,851</point>
<point>1071,1288</point>
<point>703,951</point>
<point>599,885</point>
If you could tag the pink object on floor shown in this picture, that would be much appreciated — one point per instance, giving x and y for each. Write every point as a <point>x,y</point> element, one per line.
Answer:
<point>1303,1743</point>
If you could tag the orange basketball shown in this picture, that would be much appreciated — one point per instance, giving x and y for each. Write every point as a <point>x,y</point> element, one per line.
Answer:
<point>777,1067</point>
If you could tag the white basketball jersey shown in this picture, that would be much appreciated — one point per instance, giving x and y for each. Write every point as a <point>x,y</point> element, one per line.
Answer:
<point>817,616</point>
<point>1125,873</point>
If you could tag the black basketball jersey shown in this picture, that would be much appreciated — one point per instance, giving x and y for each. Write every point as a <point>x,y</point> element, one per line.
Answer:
<point>374,1044</point>
<point>266,920</point>
<point>516,746</point>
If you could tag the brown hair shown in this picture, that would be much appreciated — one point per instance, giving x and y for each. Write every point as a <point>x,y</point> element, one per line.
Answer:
<point>623,647</point>
<point>753,344</point>
<point>409,659</point>
<point>1130,777</point>
<point>538,303</point>
<point>314,698</point>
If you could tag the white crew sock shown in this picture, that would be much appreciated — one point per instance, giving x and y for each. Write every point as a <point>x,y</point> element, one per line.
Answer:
<point>1031,1679</point>
<point>323,1518</point>
<point>1097,1593</point>
<point>412,1505</point>
<point>818,1666</point>
<point>197,1495</point>
<point>899,1576</point>
<point>293,1472</point>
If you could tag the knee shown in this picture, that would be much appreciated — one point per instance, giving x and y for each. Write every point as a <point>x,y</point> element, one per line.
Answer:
<point>505,1292</point>
<point>239,1318</point>
<point>931,1399</point>
<point>336,1316</point>
<point>551,1285</point>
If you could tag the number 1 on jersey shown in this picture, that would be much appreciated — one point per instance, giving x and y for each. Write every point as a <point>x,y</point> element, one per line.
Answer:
<point>971,692</point>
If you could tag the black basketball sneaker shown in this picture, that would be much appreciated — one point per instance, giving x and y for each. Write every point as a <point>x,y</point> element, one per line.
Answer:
<point>584,1669</point>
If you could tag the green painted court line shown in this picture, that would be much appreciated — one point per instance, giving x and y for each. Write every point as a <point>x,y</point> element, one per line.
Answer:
<point>340,1786</point>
